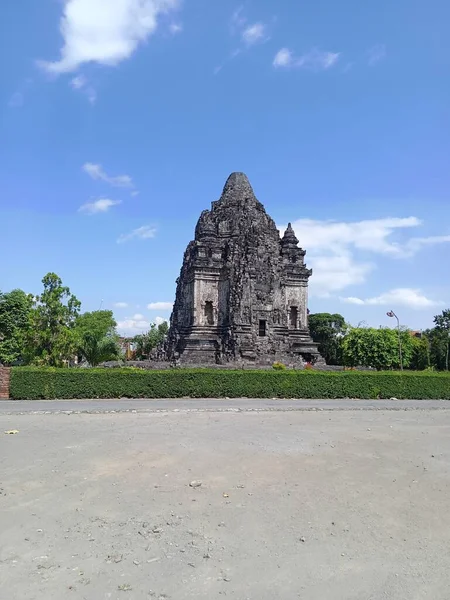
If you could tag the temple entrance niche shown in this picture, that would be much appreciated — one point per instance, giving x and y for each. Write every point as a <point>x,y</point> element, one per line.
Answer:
<point>209,313</point>
<point>293,317</point>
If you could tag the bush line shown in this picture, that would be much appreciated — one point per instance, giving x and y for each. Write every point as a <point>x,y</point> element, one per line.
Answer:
<point>31,383</point>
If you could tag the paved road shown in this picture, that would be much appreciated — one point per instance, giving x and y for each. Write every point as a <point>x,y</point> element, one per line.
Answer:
<point>342,505</point>
<point>213,404</point>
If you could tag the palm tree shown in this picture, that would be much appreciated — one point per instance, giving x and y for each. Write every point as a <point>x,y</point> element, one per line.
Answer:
<point>96,348</point>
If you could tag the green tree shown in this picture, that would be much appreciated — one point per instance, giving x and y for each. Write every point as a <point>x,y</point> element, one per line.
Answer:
<point>420,356</point>
<point>98,321</point>
<point>442,335</point>
<point>97,348</point>
<point>97,339</point>
<point>147,342</point>
<point>15,308</point>
<point>52,339</point>
<point>376,348</point>
<point>328,330</point>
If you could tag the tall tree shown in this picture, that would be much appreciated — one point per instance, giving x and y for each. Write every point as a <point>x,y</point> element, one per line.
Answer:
<point>98,321</point>
<point>442,323</point>
<point>52,340</point>
<point>328,330</point>
<point>15,308</point>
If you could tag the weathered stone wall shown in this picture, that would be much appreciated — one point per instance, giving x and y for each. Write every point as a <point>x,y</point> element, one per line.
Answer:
<point>5,373</point>
<point>245,280</point>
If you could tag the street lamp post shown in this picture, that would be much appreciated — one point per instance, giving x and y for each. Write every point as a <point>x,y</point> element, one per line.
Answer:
<point>448,351</point>
<point>392,314</point>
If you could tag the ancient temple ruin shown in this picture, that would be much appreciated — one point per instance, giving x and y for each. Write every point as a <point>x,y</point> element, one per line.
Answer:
<point>242,292</point>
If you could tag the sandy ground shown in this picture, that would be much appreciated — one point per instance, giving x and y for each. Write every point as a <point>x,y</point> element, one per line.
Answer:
<point>341,505</point>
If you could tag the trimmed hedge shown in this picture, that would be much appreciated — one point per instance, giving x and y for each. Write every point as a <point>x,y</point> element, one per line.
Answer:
<point>35,383</point>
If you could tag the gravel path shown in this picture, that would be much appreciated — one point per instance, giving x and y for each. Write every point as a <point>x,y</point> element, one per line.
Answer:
<point>331,504</point>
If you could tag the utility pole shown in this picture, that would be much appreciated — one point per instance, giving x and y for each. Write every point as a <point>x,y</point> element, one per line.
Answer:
<point>392,314</point>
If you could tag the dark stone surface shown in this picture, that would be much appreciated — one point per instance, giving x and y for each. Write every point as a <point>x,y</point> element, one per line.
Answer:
<point>242,292</point>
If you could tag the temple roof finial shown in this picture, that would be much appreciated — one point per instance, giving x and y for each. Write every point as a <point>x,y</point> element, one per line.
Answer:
<point>289,236</point>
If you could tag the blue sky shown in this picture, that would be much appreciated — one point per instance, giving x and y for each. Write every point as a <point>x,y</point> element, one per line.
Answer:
<point>121,120</point>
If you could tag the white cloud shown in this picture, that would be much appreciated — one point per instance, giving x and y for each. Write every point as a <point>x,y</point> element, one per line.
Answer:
<point>99,206</point>
<point>160,320</point>
<point>409,297</point>
<point>314,60</point>
<point>130,327</point>
<point>81,84</point>
<point>160,306</point>
<point>413,245</point>
<point>254,33</point>
<point>78,82</point>
<point>283,58</point>
<point>342,253</point>
<point>352,300</point>
<point>176,28</point>
<point>137,324</point>
<point>376,53</point>
<point>141,233</point>
<point>120,305</point>
<point>333,273</point>
<point>96,172</point>
<point>105,31</point>
<point>372,235</point>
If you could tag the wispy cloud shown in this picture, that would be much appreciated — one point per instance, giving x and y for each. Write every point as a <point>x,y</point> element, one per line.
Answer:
<point>254,34</point>
<point>160,306</point>
<point>81,84</point>
<point>96,172</point>
<point>343,253</point>
<point>238,20</point>
<point>99,206</point>
<point>105,31</point>
<point>249,33</point>
<point>376,54</point>
<point>409,297</point>
<point>283,58</point>
<point>120,305</point>
<point>141,233</point>
<point>314,60</point>
<point>175,28</point>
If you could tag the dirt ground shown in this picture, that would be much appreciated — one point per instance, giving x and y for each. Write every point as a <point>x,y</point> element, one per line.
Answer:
<point>340,505</point>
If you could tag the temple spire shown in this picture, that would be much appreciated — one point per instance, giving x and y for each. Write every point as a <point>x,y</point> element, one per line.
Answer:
<point>289,237</point>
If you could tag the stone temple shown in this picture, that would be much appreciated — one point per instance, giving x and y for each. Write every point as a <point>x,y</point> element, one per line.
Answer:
<point>242,292</point>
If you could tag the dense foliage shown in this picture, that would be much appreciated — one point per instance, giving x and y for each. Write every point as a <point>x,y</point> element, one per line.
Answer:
<point>97,340</point>
<point>328,331</point>
<point>15,309</point>
<point>32,383</point>
<point>147,342</point>
<point>377,348</point>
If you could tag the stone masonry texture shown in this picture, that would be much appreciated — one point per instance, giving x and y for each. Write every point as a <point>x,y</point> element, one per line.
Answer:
<point>242,292</point>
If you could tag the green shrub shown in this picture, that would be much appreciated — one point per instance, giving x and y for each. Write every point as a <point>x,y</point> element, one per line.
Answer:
<point>34,383</point>
<point>279,366</point>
